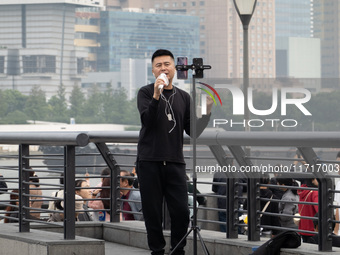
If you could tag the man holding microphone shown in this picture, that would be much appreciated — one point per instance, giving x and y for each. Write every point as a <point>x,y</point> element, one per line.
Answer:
<point>165,114</point>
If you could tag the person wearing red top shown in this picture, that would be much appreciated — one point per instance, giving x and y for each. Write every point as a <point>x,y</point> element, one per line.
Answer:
<point>131,197</point>
<point>306,209</point>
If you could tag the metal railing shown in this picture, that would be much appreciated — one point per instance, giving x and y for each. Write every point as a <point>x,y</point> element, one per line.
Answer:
<point>226,151</point>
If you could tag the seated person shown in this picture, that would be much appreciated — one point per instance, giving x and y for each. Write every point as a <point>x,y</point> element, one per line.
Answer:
<point>315,239</point>
<point>35,194</point>
<point>3,185</point>
<point>270,207</point>
<point>82,190</point>
<point>128,192</point>
<point>12,209</point>
<point>59,204</point>
<point>102,203</point>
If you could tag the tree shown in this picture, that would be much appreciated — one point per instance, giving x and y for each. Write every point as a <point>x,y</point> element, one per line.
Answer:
<point>77,101</point>
<point>36,107</point>
<point>119,109</point>
<point>16,117</point>
<point>93,108</point>
<point>58,106</point>
<point>15,99</point>
<point>3,104</point>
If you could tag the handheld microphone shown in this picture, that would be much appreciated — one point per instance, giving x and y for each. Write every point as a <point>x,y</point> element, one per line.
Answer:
<point>165,79</point>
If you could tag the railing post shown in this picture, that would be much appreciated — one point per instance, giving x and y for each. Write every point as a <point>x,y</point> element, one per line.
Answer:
<point>232,203</point>
<point>232,206</point>
<point>114,189</point>
<point>69,192</point>
<point>253,204</point>
<point>325,214</point>
<point>325,198</point>
<point>24,226</point>
<point>253,207</point>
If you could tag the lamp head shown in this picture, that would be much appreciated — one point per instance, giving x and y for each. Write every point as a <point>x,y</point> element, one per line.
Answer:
<point>245,9</point>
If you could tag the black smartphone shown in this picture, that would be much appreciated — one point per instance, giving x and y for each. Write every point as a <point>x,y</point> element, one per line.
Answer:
<point>199,72</point>
<point>182,75</point>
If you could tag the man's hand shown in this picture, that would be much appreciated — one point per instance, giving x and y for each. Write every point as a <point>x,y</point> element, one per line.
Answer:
<point>157,91</point>
<point>210,103</point>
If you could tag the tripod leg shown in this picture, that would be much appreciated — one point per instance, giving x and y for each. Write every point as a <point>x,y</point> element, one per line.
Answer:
<point>184,237</point>
<point>205,249</point>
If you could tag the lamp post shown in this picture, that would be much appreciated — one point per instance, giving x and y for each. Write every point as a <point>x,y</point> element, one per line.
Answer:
<point>245,10</point>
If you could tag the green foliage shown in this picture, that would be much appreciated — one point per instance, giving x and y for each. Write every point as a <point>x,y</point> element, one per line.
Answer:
<point>36,106</point>
<point>77,100</point>
<point>57,106</point>
<point>113,107</point>
<point>16,117</point>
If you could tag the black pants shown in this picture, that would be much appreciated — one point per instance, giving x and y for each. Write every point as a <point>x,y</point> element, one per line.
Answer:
<point>167,180</point>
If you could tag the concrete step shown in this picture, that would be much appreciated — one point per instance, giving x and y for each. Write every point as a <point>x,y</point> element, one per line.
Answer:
<point>38,242</point>
<point>115,248</point>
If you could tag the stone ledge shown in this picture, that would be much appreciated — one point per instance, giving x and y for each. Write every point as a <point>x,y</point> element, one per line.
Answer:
<point>37,242</point>
<point>134,234</point>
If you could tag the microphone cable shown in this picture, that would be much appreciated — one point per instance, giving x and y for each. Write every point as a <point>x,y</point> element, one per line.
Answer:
<point>169,112</point>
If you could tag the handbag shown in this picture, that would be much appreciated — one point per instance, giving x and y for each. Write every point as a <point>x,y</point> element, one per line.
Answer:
<point>245,220</point>
<point>297,220</point>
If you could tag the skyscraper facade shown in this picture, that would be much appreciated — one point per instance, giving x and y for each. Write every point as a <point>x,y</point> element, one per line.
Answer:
<point>293,18</point>
<point>221,35</point>
<point>136,35</point>
<point>326,27</point>
<point>37,46</point>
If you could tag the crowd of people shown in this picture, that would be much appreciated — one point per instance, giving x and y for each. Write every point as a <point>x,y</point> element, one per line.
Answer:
<point>290,197</point>
<point>91,204</point>
<point>165,114</point>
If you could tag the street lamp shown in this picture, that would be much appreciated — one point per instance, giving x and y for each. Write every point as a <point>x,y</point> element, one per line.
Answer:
<point>245,10</point>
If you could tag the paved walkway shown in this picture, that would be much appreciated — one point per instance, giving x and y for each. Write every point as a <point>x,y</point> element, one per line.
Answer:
<point>115,249</point>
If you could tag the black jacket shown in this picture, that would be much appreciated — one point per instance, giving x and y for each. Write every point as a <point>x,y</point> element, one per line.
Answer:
<point>155,141</point>
<point>3,185</point>
<point>272,208</point>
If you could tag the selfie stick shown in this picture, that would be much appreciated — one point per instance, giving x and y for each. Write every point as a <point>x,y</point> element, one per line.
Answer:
<point>197,72</point>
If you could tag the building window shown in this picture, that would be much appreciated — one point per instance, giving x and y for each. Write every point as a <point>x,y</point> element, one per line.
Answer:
<point>80,65</point>
<point>193,3</point>
<point>2,64</point>
<point>39,64</point>
<point>202,3</point>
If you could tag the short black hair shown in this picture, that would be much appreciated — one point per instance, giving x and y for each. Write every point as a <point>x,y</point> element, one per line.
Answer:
<point>264,179</point>
<point>285,181</point>
<point>129,176</point>
<point>161,52</point>
<point>106,171</point>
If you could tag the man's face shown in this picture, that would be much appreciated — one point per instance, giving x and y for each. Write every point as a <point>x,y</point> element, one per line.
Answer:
<point>123,182</point>
<point>164,64</point>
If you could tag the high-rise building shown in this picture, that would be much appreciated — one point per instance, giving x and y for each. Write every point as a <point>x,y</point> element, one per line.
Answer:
<point>326,27</point>
<point>37,45</point>
<point>87,30</point>
<point>136,35</point>
<point>221,35</point>
<point>293,18</point>
<point>297,53</point>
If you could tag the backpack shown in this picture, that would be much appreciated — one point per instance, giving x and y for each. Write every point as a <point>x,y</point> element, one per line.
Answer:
<point>287,239</point>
